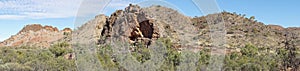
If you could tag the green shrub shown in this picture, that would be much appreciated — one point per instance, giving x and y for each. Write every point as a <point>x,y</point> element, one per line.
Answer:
<point>34,59</point>
<point>15,67</point>
<point>141,53</point>
<point>249,50</point>
<point>252,58</point>
<point>172,57</point>
<point>60,49</point>
<point>105,57</point>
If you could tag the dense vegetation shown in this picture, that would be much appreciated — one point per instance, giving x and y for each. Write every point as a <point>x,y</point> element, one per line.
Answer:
<point>250,58</point>
<point>35,59</point>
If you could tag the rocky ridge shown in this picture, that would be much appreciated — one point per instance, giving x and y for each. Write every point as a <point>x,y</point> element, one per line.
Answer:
<point>241,31</point>
<point>144,25</point>
<point>37,35</point>
<point>137,25</point>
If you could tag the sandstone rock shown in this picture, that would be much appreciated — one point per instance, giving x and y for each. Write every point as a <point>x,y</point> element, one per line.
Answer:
<point>33,27</point>
<point>276,27</point>
<point>130,25</point>
<point>34,35</point>
<point>293,29</point>
<point>50,28</point>
<point>67,30</point>
<point>144,25</point>
<point>90,32</point>
<point>137,25</point>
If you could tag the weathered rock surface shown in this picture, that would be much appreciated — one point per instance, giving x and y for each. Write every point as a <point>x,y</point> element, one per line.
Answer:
<point>131,25</point>
<point>144,25</point>
<point>67,30</point>
<point>241,31</point>
<point>36,35</point>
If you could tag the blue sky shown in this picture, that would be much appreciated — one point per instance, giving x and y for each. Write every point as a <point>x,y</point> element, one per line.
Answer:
<point>15,14</point>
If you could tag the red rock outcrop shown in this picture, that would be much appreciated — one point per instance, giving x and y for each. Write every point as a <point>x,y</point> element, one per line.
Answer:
<point>33,27</point>
<point>67,30</point>
<point>50,28</point>
<point>36,35</point>
<point>293,28</point>
<point>136,28</point>
<point>276,27</point>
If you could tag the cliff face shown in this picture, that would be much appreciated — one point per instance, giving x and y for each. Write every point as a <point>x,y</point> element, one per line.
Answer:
<point>135,26</point>
<point>36,35</point>
<point>131,25</point>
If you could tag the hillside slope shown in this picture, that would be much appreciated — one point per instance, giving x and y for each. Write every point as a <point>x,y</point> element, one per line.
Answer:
<point>36,35</point>
<point>242,31</point>
<point>136,28</point>
<point>250,44</point>
<point>145,25</point>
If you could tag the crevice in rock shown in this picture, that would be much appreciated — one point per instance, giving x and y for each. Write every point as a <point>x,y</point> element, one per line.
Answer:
<point>147,29</point>
<point>134,35</point>
<point>106,30</point>
<point>105,33</point>
<point>133,24</point>
<point>143,33</point>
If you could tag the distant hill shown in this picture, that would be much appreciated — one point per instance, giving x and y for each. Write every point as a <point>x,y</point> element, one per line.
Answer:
<point>36,35</point>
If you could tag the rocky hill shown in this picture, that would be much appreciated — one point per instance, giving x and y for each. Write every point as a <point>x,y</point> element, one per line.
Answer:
<point>135,28</point>
<point>36,35</point>
<point>247,40</point>
<point>242,31</point>
<point>145,25</point>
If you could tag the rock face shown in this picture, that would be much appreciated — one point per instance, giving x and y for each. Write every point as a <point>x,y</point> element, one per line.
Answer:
<point>131,25</point>
<point>275,27</point>
<point>137,25</point>
<point>134,25</point>
<point>38,27</point>
<point>67,30</point>
<point>35,35</point>
<point>144,25</point>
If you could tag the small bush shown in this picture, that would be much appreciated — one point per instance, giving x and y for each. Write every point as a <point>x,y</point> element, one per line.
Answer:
<point>34,59</point>
<point>60,49</point>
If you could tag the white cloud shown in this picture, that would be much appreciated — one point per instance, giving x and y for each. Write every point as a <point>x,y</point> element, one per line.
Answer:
<point>38,9</point>
<point>12,17</point>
